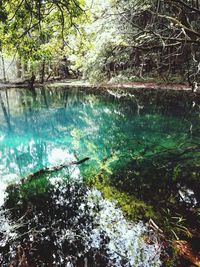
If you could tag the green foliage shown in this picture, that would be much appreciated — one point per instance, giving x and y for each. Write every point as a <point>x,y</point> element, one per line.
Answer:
<point>132,207</point>
<point>120,39</point>
<point>176,225</point>
<point>129,36</point>
<point>35,189</point>
<point>32,191</point>
<point>39,30</point>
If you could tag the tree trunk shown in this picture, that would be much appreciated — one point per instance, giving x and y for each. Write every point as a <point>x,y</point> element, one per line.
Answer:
<point>24,69</point>
<point>3,67</point>
<point>5,113</point>
<point>19,68</point>
<point>42,71</point>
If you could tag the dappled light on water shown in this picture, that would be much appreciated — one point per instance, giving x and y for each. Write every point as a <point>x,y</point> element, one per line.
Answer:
<point>59,147</point>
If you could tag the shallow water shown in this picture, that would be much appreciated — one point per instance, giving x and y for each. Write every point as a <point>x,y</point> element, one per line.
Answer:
<point>42,128</point>
<point>120,131</point>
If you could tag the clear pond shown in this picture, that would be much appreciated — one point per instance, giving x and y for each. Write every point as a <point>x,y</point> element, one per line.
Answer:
<point>42,128</point>
<point>142,142</point>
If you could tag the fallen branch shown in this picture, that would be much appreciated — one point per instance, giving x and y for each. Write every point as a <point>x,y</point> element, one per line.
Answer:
<point>154,226</point>
<point>55,168</point>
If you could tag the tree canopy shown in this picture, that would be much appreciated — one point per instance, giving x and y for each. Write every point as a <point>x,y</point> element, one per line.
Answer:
<point>37,28</point>
<point>105,39</point>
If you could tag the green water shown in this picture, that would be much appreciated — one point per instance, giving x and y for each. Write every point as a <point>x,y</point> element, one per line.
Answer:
<point>144,151</point>
<point>113,128</point>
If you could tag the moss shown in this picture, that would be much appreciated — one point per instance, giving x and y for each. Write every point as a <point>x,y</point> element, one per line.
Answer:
<point>132,207</point>
<point>33,191</point>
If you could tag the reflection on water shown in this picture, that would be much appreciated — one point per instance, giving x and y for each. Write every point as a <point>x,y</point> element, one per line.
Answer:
<point>50,126</point>
<point>44,128</point>
<point>75,227</point>
<point>124,134</point>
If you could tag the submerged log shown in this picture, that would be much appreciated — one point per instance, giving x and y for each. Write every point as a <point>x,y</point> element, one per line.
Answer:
<point>55,168</point>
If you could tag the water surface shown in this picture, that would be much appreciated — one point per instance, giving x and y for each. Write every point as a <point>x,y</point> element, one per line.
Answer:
<point>40,129</point>
<point>143,142</point>
<point>37,127</point>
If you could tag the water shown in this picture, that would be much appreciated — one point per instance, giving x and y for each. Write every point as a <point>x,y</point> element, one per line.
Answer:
<point>41,129</point>
<point>134,135</point>
<point>50,126</point>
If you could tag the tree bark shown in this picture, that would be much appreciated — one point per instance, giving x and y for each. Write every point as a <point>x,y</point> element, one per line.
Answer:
<point>42,71</point>
<point>3,67</point>
<point>19,68</point>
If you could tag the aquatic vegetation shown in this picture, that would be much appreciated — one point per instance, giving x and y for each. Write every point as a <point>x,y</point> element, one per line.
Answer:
<point>133,208</point>
<point>71,223</point>
<point>142,151</point>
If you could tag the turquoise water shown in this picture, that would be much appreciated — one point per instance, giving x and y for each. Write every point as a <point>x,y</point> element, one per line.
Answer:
<point>49,126</point>
<point>142,142</point>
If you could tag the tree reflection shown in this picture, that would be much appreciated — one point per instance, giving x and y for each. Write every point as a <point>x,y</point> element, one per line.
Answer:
<point>101,126</point>
<point>6,112</point>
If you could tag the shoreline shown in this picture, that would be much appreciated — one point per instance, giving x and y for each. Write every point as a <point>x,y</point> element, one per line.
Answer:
<point>82,83</point>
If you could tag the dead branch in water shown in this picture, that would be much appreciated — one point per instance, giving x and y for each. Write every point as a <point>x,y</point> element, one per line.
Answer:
<point>55,168</point>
